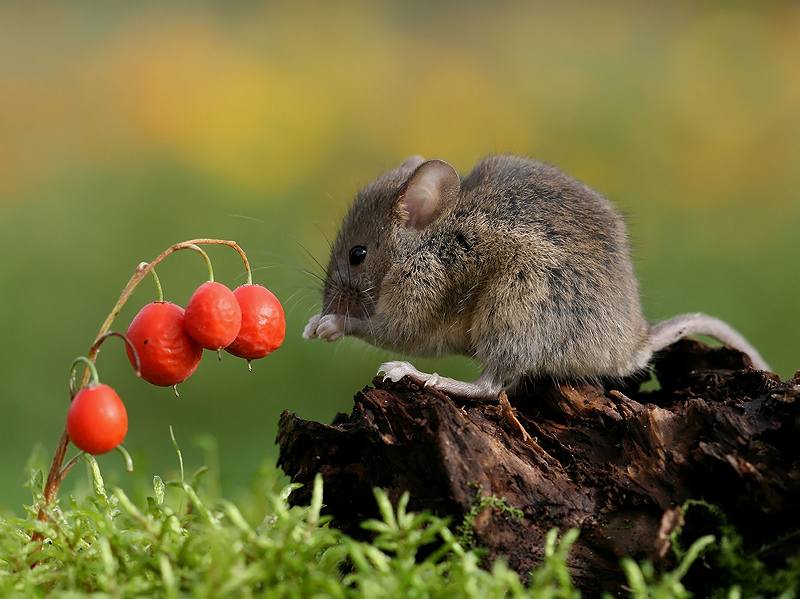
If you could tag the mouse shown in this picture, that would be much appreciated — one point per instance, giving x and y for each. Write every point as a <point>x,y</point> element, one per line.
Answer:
<point>516,264</point>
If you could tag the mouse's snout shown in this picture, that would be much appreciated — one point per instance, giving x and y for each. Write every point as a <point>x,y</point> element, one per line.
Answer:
<point>346,296</point>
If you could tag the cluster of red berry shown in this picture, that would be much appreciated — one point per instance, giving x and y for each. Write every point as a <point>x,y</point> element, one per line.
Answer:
<point>165,344</point>
<point>248,323</point>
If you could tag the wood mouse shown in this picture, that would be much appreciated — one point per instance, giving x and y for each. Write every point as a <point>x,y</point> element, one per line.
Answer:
<point>517,265</point>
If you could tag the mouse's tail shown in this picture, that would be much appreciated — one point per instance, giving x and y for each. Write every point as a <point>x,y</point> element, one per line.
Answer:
<point>668,332</point>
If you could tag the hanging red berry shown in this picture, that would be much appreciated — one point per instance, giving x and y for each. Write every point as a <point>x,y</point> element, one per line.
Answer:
<point>263,323</point>
<point>213,316</point>
<point>167,354</point>
<point>97,420</point>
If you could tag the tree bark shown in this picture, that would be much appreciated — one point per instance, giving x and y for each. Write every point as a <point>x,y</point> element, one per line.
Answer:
<point>613,460</point>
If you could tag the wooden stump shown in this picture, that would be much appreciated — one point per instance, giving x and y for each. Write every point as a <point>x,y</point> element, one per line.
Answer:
<point>615,462</point>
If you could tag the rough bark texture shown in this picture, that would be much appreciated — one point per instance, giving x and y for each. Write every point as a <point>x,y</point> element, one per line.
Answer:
<point>617,463</point>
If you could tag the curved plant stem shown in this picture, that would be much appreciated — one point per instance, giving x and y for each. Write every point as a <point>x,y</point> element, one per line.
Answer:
<point>159,290</point>
<point>68,466</point>
<point>96,346</point>
<point>127,457</point>
<point>57,473</point>
<point>92,373</point>
<point>210,268</point>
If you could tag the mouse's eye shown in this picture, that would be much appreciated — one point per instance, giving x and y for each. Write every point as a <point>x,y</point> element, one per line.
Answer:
<point>357,254</point>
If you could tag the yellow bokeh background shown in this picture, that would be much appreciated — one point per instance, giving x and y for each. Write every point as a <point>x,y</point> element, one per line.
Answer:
<point>126,127</point>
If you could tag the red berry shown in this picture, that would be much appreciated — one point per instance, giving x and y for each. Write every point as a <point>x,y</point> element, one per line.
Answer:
<point>97,420</point>
<point>263,323</point>
<point>167,354</point>
<point>213,316</point>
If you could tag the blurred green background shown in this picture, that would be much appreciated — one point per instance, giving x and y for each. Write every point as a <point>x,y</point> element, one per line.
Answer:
<point>127,127</point>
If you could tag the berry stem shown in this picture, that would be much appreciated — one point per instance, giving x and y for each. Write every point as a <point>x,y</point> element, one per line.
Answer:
<point>127,457</point>
<point>101,338</point>
<point>54,477</point>
<point>159,290</point>
<point>68,466</point>
<point>92,372</point>
<point>197,248</point>
<point>90,368</point>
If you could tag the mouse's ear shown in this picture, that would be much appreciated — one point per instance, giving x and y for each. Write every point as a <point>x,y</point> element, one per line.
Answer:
<point>412,162</point>
<point>429,190</point>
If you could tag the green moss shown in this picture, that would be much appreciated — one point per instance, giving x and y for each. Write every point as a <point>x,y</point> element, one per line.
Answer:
<point>498,504</point>
<point>182,542</point>
<point>730,568</point>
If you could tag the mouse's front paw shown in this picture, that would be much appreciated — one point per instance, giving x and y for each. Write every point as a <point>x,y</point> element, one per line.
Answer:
<point>329,327</point>
<point>395,371</point>
<point>310,332</point>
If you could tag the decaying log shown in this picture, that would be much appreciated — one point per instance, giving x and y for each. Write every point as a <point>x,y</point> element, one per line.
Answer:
<point>614,461</point>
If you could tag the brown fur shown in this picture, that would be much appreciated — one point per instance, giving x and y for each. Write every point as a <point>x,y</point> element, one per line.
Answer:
<point>527,270</point>
<point>517,265</point>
